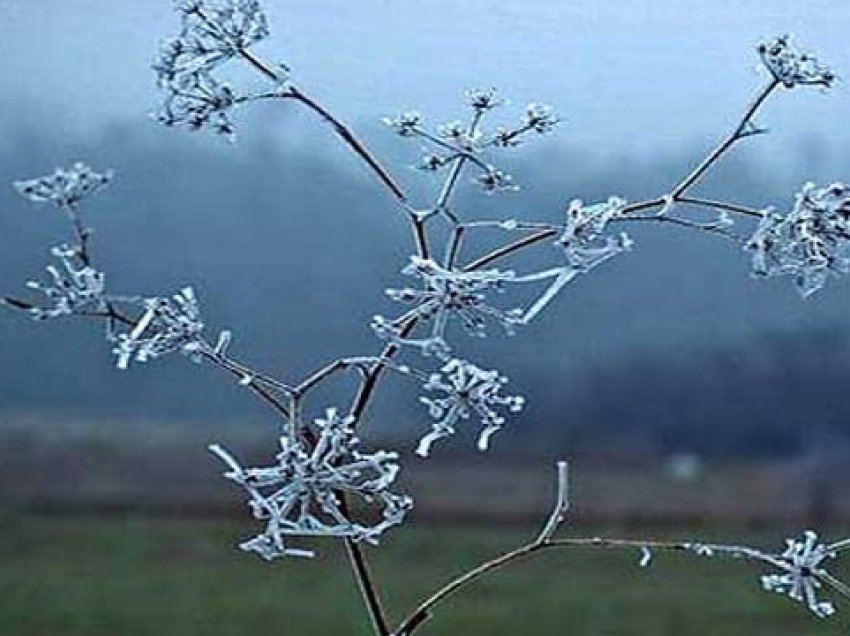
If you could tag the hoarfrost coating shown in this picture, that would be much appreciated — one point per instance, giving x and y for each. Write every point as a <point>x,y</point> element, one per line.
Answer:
<point>320,469</point>
<point>301,495</point>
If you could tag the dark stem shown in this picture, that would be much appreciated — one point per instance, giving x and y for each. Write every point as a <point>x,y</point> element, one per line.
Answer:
<point>368,590</point>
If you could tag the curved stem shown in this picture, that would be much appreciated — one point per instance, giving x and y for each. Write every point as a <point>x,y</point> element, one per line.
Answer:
<point>423,612</point>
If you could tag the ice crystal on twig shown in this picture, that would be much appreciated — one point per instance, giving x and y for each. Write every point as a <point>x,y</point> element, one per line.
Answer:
<point>807,243</point>
<point>302,494</point>
<point>792,67</point>
<point>167,325</point>
<point>803,574</point>
<point>449,292</point>
<point>468,390</point>
<point>74,287</point>
<point>65,186</point>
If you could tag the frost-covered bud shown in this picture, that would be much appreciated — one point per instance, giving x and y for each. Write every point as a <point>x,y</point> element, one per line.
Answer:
<point>803,574</point>
<point>792,67</point>
<point>405,124</point>
<point>467,391</point>
<point>493,181</point>
<point>541,119</point>
<point>583,240</point>
<point>166,325</point>
<point>300,494</point>
<point>809,242</point>
<point>482,100</point>
<point>65,187</point>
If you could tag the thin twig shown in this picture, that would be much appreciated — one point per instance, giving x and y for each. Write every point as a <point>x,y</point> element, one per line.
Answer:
<point>727,142</point>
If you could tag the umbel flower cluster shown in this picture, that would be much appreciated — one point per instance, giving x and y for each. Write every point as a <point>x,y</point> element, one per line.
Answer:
<point>301,495</point>
<point>323,483</point>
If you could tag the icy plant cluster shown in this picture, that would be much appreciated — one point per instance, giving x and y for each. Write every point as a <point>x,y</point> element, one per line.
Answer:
<point>467,391</point>
<point>792,67</point>
<point>73,286</point>
<point>212,33</point>
<point>302,494</point>
<point>64,187</point>
<point>807,243</point>
<point>444,294</point>
<point>322,483</point>
<point>803,573</point>
<point>455,142</point>
<point>158,326</point>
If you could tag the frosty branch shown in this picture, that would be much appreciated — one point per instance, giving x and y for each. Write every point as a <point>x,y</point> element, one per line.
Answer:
<point>320,469</point>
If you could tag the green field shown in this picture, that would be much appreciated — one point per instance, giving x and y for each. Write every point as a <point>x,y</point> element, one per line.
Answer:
<point>135,576</point>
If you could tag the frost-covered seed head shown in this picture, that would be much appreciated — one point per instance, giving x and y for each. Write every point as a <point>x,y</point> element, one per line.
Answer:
<point>74,287</point>
<point>446,293</point>
<point>467,391</point>
<point>541,119</point>
<point>301,494</point>
<point>405,124</point>
<point>166,325</point>
<point>493,181</point>
<point>583,238</point>
<point>808,243</point>
<point>803,574</point>
<point>65,186</point>
<point>792,67</point>
<point>482,100</point>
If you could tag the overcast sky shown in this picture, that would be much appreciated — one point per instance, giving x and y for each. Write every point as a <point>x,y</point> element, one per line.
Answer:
<point>628,75</point>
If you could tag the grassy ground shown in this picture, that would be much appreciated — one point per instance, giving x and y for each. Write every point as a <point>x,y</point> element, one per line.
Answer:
<point>146,577</point>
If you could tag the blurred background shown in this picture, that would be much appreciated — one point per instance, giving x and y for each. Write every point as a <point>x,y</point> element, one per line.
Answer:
<point>692,400</point>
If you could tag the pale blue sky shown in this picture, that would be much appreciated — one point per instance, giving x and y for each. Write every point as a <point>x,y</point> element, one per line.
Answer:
<point>631,76</point>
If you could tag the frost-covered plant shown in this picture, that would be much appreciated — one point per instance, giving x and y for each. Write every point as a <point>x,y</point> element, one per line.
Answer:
<point>303,494</point>
<point>322,482</point>
<point>807,243</point>
<point>467,391</point>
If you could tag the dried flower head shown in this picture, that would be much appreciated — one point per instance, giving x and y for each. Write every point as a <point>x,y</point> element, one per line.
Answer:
<point>540,118</point>
<point>448,292</point>
<point>212,32</point>
<point>65,187</point>
<point>405,124</point>
<point>167,325</point>
<point>493,181</point>
<point>583,241</point>
<point>809,242</point>
<point>803,574</point>
<point>199,101</point>
<point>482,100</point>
<point>301,495</point>
<point>468,390</point>
<point>74,287</point>
<point>792,67</point>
